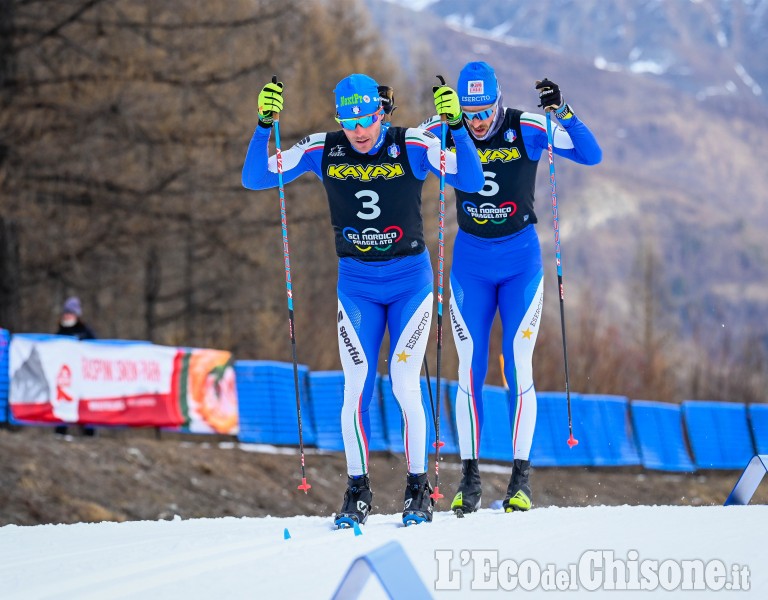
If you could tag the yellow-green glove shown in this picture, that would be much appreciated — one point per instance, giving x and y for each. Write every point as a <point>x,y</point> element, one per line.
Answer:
<point>447,103</point>
<point>270,102</point>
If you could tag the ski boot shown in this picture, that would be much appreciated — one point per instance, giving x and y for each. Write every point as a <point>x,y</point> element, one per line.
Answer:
<point>467,499</point>
<point>357,503</point>
<point>518,492</point>
<point>417,507</point>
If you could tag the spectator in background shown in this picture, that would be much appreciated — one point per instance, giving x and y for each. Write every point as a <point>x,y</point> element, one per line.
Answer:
<point>71,322</point>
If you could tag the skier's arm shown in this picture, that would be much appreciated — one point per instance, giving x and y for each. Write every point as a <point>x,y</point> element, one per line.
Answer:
<point>260,169</point>
<point>572,139</point>
<point>462,169</point>
<point>432,124</point>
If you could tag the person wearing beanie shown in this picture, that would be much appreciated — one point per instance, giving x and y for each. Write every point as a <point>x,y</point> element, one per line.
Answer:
<point>71,322</point>
<point>373,175</point>
<point>497,264</point>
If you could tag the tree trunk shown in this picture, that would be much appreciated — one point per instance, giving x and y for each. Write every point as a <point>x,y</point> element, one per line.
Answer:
<point>10,278</point>
<point>152,280</point>
<point>7,62</point>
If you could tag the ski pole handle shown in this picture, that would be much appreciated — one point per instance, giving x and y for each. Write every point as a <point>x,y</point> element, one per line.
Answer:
<point>275,115</point>
<point>442,82</point>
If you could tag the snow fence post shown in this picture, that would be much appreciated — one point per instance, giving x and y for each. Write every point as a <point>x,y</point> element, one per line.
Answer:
<point>750,478</point>
<point>394,570</point>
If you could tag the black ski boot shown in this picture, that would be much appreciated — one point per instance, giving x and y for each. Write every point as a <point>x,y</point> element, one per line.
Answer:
<point>467,499</point>
<point>357,505</point>
<point>519,494</point>
<point>417,507</point>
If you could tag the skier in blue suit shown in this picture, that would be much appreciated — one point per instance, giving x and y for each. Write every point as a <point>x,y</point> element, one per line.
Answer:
<point>373,174</point>
<point>497,264</point>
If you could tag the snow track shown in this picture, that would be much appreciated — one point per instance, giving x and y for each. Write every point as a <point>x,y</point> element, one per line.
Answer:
<point>248,558</point>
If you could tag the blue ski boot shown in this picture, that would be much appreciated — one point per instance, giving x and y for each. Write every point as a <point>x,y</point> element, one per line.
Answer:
<point>418,504</point>
<point>519,496</point>
<point>357,505</point>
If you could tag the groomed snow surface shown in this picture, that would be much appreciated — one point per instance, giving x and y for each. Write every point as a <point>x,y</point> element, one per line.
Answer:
<point>234,558</point>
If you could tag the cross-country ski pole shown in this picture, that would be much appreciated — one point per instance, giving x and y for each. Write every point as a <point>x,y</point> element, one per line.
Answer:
<point>572,441</point>
<point>289,291</point>
<point>436,495</point>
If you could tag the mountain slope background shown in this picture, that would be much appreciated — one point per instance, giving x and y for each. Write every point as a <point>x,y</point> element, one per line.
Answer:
<point>665,237</point>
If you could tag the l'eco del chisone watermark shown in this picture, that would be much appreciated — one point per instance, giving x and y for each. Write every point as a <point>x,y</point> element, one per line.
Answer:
<point>595,570</point>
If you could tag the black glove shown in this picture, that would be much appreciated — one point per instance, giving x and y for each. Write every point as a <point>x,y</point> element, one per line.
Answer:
<point>387,95</point>
<point>549,94</point>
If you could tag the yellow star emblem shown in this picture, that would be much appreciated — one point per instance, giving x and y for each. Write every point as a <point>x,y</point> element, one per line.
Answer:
<point>527,333</point>
<point>403,357</point>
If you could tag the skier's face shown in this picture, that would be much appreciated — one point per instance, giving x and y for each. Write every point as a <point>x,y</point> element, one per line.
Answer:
<point>363,138</point>
<point>479,118</point>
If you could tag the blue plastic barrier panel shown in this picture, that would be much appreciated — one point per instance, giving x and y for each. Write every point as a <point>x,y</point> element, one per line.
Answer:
<point>606,431</point>
<point>659,433</point>
<point>378,434</point>
<point>758,420</point>
<point>5,340</point>
<point>749,481</point>
<point>267,403</point>
<point>719,433</point>
<point>496,431</point>
<point>392,567</point>
<point>550,441</point>
<point>447,423</point>
<point>326,391</point>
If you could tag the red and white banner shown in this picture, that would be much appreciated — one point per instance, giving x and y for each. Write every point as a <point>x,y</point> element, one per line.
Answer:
<point>60,379</point>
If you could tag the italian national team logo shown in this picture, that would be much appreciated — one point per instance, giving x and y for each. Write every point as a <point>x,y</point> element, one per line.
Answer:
<point>394,150</point>
<point>510,135</point>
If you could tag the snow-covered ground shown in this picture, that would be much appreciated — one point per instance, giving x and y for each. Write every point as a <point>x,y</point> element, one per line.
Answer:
<point>234,558</point>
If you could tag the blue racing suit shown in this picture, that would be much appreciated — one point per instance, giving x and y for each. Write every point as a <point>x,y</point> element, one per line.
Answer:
<point>385,276</point>
<point>497,266</point>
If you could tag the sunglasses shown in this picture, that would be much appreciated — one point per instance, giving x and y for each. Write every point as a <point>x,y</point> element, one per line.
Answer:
<point>482,115</point>
<point>364,121</point>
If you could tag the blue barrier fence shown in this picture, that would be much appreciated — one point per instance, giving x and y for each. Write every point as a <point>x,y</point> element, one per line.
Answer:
<point>327,394</point>
<point>5,340</point>
<point>267,403</point>
<point>659,430</point>
<point>719,434</point>
<point>549,441</point>
<point>758,419</point>
<point>612,430</point>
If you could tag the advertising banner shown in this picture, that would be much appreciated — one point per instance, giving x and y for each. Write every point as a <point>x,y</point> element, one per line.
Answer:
<point>208,393</point>
<point>58,379</point>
